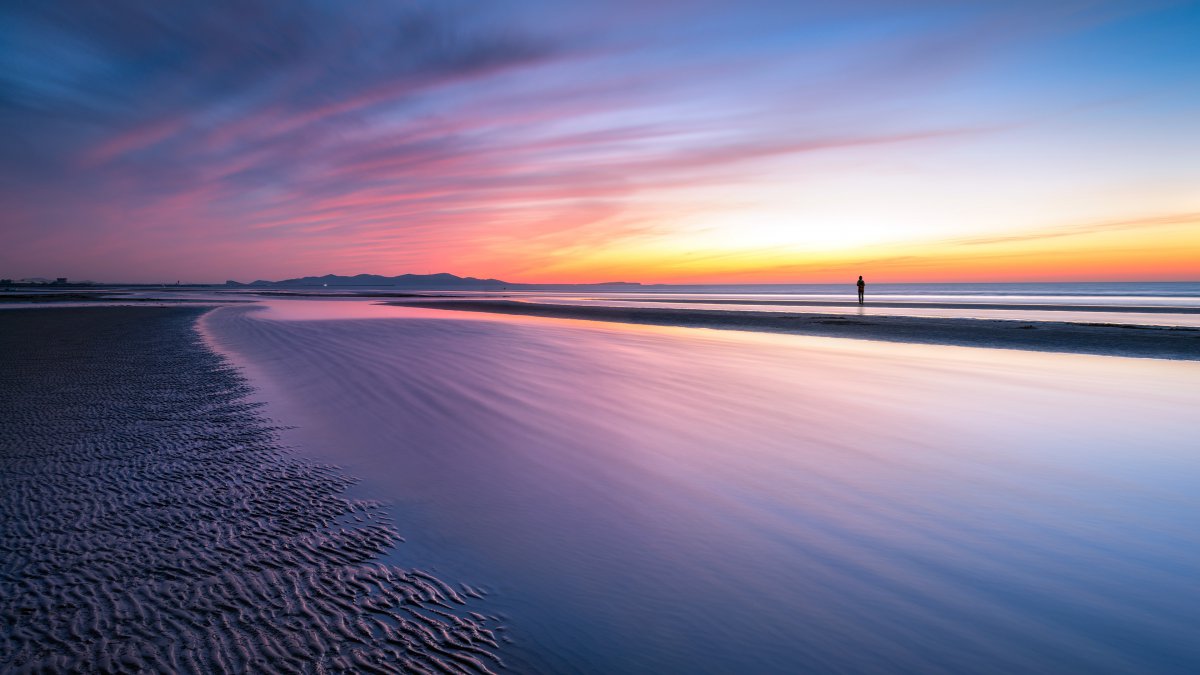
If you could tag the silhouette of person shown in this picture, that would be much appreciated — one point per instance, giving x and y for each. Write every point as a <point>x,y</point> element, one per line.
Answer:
<point>862,286</point>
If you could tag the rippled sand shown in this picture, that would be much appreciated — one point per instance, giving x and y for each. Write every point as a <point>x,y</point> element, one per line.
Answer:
<point>150,520</point>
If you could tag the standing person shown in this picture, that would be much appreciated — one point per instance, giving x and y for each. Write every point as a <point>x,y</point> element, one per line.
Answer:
<point>862,286</point>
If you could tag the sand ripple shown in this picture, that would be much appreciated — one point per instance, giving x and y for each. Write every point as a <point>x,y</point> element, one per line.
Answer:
<point>151,522</point>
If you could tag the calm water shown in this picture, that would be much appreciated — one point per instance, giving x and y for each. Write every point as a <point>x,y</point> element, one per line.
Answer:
<point>1103,291</point>
<point>1062,289</point>
<point>1105,302</point>
<point>1089,302</point>
<point>647,499</point>
<point>990,307</point>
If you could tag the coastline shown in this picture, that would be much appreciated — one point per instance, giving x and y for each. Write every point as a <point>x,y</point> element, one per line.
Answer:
<point>897,304</point>
<point>152,520</point>
<point>1178,343</point>
<point>757,486</point>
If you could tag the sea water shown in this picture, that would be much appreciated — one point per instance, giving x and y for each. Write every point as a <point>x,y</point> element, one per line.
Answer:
<point>658,499</point>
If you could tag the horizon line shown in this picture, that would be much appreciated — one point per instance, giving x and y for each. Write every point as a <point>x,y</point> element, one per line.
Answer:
<point>50,282</point>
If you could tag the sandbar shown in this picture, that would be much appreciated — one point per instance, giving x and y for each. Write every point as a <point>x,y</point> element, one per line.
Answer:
<point>1053,336</point>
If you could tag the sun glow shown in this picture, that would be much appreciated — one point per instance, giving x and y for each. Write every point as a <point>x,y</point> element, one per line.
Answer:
<point>726,145</point>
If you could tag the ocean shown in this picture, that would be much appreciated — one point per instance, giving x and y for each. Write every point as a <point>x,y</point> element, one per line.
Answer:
<point>647,499</point>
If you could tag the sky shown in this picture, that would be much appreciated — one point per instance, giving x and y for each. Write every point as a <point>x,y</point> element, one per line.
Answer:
<point>562,142</point>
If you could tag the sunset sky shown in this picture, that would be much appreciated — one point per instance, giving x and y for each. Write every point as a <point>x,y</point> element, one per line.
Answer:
<point>551,141</point>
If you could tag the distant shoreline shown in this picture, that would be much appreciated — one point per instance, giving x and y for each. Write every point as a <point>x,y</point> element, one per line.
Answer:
<point>1179,343</point>
<point>1136,309</point>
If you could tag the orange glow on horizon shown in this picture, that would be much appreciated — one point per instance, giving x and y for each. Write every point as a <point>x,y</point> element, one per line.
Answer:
<point>1153,249</point>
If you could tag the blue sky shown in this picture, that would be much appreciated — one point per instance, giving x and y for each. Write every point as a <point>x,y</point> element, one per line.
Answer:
<point>547,141</point>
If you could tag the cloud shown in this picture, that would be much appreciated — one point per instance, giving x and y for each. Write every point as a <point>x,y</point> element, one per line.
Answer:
<point>1080,229</point>
<point>430,131</point>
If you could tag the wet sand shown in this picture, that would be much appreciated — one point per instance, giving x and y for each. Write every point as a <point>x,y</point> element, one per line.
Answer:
<point>104,298</point>
<point>150,520</point>
<point>1052,336</point>
<point>1014,306</point>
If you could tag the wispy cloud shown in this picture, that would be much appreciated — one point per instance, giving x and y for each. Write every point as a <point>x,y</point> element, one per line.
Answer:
<point>1080,229</point>
<point>436,133</point>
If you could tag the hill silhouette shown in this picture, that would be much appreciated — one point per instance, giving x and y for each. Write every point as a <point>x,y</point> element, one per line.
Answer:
<point>441,280</point>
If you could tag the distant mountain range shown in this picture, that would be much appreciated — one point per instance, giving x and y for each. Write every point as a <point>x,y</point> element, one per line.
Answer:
<point>442,281</point>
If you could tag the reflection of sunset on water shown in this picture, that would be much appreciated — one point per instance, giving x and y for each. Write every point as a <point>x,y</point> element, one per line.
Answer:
<point>809,500</point>
<point>624,336</point>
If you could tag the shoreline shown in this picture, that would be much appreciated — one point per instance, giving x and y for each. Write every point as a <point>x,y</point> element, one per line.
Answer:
<point>892,304</point>
<point>1176,343</point>
<point>101,299</point>
<point>765,486</point>
<point>153,520</point>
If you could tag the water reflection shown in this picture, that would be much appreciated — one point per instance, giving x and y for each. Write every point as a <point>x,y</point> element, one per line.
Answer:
<point>1161,316</point>
<point>656,499</point>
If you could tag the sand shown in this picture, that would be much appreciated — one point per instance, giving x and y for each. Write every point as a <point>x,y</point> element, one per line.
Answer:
<point>1053,336</point>
<point>151,521</point>
<point>1012,306</point>
<point>636,498</point>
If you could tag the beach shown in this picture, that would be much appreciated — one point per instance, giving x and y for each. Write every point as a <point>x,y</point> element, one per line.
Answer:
<point>152,521</point>
<point>633,338</point>
<point>1167,342</point>
<point>335,483</point>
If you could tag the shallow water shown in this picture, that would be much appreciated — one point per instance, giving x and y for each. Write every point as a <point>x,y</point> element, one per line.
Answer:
<point>990,308</point>
<point>1126,303</point>
<point>654,499</point>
